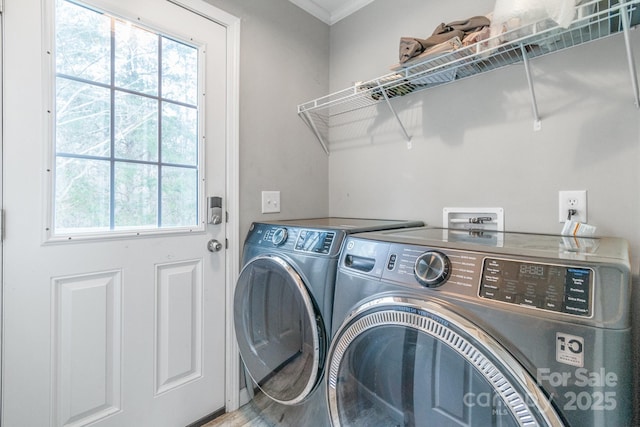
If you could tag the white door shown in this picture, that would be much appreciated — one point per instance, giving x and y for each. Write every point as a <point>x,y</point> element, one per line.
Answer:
<point>112,320</point>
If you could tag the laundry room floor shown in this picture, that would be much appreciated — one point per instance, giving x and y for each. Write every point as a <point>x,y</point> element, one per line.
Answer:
<point>251,415</point>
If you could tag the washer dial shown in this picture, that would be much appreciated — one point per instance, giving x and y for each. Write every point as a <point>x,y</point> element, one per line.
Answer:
<point>279,236</point>
<point>432,269</point>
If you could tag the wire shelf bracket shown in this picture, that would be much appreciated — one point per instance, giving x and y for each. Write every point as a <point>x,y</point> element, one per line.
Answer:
<point>393,111</point>
<point>537,124</point>
<point>309,122</point>
<point>632,64</point>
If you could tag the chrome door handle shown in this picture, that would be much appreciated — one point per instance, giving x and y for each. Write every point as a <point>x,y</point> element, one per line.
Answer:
<point>214,246</point>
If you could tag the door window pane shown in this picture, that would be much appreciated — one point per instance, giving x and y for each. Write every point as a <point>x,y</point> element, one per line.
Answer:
<point>136,127</point>
<point>179,134</point>
<point>136,58</point>
<point>83,40</point>
<point>179,68</point>
<point>136,196</point>
<point>82,195</point>
<point>178,198</point>
<point>127,153</point>
<point>83,119</point>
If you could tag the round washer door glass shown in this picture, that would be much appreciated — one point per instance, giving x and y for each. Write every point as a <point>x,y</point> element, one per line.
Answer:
<point>279,330</point>
<point>407,362</point>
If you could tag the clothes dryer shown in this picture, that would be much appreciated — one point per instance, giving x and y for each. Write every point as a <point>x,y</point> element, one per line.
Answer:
<point>450,328</point>
<point>283,309</point>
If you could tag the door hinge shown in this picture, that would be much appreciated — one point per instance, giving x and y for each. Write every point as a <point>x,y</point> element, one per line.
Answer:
<point>1,221</point>
<point>226,243</point>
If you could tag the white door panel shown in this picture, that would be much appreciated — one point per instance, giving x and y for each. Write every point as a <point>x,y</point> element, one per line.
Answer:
<point>86,342</point>
<point>115,332</point>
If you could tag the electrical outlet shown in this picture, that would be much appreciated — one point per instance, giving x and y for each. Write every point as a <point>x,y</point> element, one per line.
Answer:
<point>572,200</point>
<point>270,201</point>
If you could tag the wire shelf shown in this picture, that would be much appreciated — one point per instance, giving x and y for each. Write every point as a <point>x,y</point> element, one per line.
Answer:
<point>515,46</point>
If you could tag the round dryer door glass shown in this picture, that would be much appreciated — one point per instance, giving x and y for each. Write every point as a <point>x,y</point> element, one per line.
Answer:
<point>279,330</point>
<point>407,363</point>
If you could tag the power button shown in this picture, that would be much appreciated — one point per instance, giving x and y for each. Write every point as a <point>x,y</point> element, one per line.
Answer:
<point>392,262</point>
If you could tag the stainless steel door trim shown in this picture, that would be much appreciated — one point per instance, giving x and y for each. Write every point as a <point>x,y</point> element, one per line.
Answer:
<point>419,314</point>
<point>311,314</point>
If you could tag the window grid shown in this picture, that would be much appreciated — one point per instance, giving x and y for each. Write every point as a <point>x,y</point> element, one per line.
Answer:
<point>112,158</point>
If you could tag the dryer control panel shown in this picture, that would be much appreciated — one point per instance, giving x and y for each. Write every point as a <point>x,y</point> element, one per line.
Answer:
<point>312,241</point>
<point>315,241</point>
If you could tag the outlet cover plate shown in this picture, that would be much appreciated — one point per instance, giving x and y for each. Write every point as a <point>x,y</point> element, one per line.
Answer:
<point>270,201</point>
<point>572,200</point>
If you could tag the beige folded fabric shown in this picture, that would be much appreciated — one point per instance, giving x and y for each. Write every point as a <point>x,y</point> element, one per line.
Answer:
<point>411,47</point>
<point>466,25</point>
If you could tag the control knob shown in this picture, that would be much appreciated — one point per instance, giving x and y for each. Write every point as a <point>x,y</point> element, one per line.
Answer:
<point>279,236</point>
<point>432,269</point>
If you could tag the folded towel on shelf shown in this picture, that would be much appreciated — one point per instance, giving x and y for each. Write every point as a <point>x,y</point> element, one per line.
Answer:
<point>465,25</point>
<point>435,51</point>
<point>476,36</point>
<point>411,47</point>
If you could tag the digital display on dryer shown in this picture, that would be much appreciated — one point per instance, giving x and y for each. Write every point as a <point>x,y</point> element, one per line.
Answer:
<point>549,287</point>
<point>315,241</point>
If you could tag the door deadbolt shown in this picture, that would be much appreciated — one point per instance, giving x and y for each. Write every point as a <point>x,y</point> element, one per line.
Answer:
<point>214,246</point>
<point>215,210</point>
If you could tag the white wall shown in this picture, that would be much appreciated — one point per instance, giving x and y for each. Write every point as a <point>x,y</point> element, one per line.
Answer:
<point>284,61</point>
<point>473,140</point>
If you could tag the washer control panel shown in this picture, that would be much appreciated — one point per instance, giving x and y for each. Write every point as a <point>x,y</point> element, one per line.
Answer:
<point>456,271</point>
<point>546,286</point>
<point>559,288</point>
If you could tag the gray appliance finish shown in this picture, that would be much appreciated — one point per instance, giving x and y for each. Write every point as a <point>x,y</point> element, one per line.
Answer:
<point>283,308</point>
<point>456,328</point>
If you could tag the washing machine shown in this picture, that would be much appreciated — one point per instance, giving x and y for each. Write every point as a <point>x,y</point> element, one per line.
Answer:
<point>435,327</point>
<point>283,309</point>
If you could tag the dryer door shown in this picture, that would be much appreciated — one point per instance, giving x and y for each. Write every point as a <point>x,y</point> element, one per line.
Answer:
<point>400,361</point>
<point>279,330</point>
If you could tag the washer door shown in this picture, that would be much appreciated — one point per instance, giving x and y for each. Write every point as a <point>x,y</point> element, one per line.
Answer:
<point>279,330</point>
<point>401,361</point>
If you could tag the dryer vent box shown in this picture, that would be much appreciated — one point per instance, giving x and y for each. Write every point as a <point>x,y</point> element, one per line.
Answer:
<point>481,219</point>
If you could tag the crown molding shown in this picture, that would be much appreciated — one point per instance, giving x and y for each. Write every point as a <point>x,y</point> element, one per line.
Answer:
<point>330,17</point>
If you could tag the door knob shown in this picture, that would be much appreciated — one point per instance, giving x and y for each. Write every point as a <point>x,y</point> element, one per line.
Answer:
<point>214,246</point>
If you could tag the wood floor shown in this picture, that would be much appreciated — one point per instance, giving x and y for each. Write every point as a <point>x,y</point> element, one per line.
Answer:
<point>259,412</point>
<point>263,412</point>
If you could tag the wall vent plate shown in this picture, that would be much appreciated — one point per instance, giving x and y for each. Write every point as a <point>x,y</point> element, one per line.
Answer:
<point>470,224</point>
<point>491,219</point>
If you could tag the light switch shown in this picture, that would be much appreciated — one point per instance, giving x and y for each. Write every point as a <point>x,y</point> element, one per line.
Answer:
<point>270,201</point>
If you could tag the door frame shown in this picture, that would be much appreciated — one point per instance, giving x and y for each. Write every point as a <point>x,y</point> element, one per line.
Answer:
<point>232,204</point>
<point>1,202</point>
